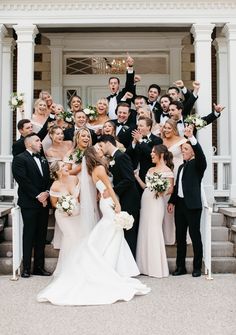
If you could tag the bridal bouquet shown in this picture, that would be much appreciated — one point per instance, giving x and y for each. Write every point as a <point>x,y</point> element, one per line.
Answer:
<point>156,183</point>
<point>66,116</point>
<point>76,156</point>
<point>124,220</point>
<point>91,112</point>
<point>66,204</point>
<point>196,121</point>
<point>16,100</point>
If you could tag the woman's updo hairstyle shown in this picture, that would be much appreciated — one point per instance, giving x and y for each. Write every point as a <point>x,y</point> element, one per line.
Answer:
<point>54,168</point>
<point>53,129</point>
<point>167,155</point>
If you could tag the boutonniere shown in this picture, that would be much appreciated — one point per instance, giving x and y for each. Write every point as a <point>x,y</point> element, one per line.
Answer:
<point>43,160</point>
<point>124,128</point>
<point>112,163</point>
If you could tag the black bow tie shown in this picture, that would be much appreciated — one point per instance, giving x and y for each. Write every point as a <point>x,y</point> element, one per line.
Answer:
<point>151,103</point>
<point>113,95</point>
<point>165,114</point>
<point>120,124</point>
<point>36,155</point>
<point>145,138</point>
<point>180,122</point>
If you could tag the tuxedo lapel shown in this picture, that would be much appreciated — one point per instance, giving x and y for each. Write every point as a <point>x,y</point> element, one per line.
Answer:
<point>30,158</point>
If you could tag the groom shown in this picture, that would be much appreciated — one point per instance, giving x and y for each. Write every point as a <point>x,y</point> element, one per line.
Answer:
<point>124,185</point>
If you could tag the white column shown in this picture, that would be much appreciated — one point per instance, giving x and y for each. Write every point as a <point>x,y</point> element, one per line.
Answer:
<point>202,46</point>
<point>6,90</point>
<point>175,64</point>
<point>25,64</point>
<point>56,48</point>
<point>220,44</point>
<point>230,33</point>
<point>3,33</point>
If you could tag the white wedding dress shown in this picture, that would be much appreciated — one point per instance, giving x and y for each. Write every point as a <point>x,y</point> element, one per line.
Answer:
<point>99,268</point>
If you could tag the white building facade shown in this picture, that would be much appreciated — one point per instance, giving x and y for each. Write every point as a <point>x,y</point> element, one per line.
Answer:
<point>153,33</point>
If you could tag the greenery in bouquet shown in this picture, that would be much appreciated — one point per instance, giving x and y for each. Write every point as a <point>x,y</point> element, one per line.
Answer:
<point>124,220</point>
<point>157,184</point>
<point>195,120</point>
<point>16,100</point>
<point>91,112</point>
<point>76,156</point>
<point>66,204</point>
<point>67,116</point>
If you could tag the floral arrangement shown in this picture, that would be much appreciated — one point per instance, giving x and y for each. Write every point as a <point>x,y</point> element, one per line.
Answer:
<point>16,100</point>
<point>67,116</point>
<point>91,112</point>
<point>156,183</point>
<point>196,121</point>
<point>66,204</point>
<point>76,156</point>
<point>124,220</point>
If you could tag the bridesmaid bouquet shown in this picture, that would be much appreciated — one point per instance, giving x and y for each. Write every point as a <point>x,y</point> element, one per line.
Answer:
<point>124,220</point>
<point>76,156</point>
<point>66,204</point>
<point>196,121</point>
<point>156,183</point>
<point>91,112</point>
<point>16,100</point>
<point>66,116</point>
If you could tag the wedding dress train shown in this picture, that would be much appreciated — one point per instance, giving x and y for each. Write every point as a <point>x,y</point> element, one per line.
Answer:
<point>99,269</point>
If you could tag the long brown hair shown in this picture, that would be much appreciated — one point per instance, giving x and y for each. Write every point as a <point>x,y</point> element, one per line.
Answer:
<point>92,160</point>
<point>167,155</point>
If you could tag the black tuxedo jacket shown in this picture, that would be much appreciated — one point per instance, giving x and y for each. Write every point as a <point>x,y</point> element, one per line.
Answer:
<point>125,134</point>
<point>19,146</point>
<point>124,183</point>
<point>191,179</point>
<point>141,154</point>
<point>30,181</point>
<point>129,87</point>
<point>69,135</point>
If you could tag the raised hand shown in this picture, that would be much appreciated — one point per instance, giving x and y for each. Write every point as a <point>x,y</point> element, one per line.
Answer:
<point>218,108</point>
<point>129,61</point>
<point>179,83</point>
<point>196,86</point>
<point>136,135</point>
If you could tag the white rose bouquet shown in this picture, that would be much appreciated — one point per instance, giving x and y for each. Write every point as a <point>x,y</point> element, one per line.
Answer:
<point>67,116</point>
<point>156,183</point>
<point>77,156</point>
<point>16,100</point>
<point>196,121</point>
<point>124,220</point>
<point>66,204</point>
<point>91,112</point>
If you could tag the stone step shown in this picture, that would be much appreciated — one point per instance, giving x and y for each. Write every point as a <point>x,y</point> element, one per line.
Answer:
<point>219,233</point>
<point>217,219</point>
<point>7,233</point>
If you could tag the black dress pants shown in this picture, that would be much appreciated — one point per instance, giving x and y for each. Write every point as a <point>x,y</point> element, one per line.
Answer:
<point>184,218</point>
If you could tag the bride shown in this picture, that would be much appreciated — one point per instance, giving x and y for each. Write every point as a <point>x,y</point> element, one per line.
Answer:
<point>99,268</point>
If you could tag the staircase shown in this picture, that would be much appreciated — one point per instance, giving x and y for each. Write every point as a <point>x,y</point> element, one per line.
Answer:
<point>223,245</point>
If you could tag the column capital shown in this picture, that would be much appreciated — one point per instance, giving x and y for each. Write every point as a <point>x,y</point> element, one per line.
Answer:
<point>26,33</point>
<point>3,31</point>
<point>202,32</point>
<point>229,30</point>
<point>220,43</point>
<point>8,44</point>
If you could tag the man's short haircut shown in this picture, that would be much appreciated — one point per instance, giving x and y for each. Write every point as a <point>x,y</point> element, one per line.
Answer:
<point>139,97</point>
<point>21,123</point>
<point>174,88</point>
<point>156,87</point>
<point>114,78</point>
<point>107,138</point>
<point>166,96</point>
<point>178,104</point>
<point>122,104</point>
<point>28,137</point>
<point>148,121</point>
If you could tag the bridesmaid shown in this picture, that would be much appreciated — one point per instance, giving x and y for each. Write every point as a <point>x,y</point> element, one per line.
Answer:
<point>75,103</point>
<point>102,110</point>
<point>151,253</point>
<point>39,116</point>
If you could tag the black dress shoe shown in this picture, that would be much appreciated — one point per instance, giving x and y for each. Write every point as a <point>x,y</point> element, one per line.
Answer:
<point>25,274</point>
<point>196,273</point>
<point>41,272</point>
<point>179,272</point>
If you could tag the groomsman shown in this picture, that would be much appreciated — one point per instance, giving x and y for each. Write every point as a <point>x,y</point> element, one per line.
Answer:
<point>31,172</point>
<point>124,185</point>
<point>188,205</point>
<point>80,120</point>
<point>118,95</point>
<point>154,92</point>
<point>141,147</point>
<point>124,125</point>
<point>25,128</point>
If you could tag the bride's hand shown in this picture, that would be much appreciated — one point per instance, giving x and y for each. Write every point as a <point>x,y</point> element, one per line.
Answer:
<point>117,208</point>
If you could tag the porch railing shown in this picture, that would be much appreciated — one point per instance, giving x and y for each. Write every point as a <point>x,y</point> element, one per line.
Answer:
<point>221,170</point>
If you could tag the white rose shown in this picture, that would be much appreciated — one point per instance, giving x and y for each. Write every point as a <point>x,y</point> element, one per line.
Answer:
<point>20,97</point>
<point>65,205</point>
<point>87,111</point>
<point>68,119</point>
<point>14,101</point>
